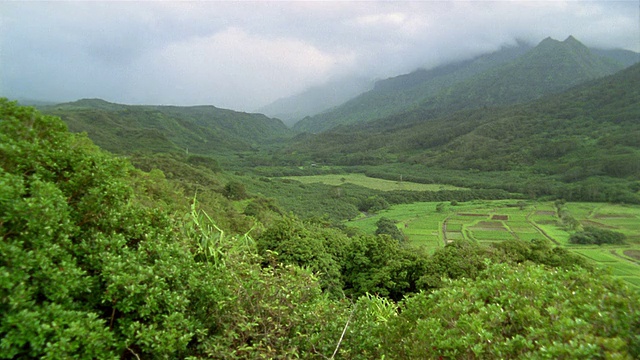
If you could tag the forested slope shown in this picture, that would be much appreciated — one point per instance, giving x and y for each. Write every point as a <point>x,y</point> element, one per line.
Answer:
<point>509,76</point>
<point>404,92</point>
<point>198,129</point>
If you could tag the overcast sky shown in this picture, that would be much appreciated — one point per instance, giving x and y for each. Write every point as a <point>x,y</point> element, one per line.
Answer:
<point>243,55</point>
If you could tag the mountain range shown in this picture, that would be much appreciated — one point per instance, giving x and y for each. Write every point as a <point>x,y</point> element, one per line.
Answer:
<point>598,114</point>
<point>511,75</point>
<point>552,109</point>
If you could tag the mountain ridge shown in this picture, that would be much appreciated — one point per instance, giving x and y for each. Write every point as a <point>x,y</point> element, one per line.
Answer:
<point>402,92</point>
<point>203,129</point>
<point>563,64</point>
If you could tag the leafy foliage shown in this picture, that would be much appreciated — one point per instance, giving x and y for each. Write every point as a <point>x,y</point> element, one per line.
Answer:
<point>373,204</point>
<point>89,272</point>
<point>519,312</point>
<point>293,243</point>
<point>235,191</point>
<point>388,227</point>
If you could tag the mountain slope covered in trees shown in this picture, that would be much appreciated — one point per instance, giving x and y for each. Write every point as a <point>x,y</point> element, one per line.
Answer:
<point>589,131</point>
<point>511,75</point>
<point>197,129</point>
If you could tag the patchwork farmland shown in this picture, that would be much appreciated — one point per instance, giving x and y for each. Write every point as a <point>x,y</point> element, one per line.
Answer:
<point>486,222</point>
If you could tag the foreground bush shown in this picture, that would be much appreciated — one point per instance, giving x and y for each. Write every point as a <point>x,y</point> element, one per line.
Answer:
<point>87,272</point>
<point>514,312</point>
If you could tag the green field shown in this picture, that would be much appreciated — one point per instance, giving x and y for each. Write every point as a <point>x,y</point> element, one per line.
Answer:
<point>494,221</point>
<point>369,182</point>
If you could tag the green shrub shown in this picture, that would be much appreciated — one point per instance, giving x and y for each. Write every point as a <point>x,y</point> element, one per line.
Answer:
<point>597,236</point>
<point>373,204</point>
<point>517,312</point>
<point>235,191</point>
<point>386,226</point>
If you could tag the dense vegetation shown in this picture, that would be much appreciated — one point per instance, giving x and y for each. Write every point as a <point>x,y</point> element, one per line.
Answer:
<point>593,235</point>
<point>101,260</point>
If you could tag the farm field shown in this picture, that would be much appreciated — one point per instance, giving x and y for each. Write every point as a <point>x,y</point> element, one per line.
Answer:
<point>369,182</point>
<point>494,221</point>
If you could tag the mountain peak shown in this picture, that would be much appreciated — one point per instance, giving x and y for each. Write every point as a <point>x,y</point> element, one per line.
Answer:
<point>571,39</point>
<point>573,42</point>
<point>570,44</point>
<point>548,41</point>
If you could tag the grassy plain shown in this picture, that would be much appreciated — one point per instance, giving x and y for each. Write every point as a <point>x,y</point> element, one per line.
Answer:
<point>493,221</point>
<point>369,182</point>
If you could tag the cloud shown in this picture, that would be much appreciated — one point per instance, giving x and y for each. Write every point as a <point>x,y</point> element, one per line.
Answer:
<point>232,65</point>
<point>243,55</point>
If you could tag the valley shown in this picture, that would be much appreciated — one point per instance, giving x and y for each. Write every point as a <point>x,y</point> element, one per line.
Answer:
<point>524,125</point>
<point>482,209</point>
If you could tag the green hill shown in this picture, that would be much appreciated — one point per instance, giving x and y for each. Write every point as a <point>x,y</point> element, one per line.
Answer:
<point>401,93</point>
<point>197,129</point>
<point>511,75</point>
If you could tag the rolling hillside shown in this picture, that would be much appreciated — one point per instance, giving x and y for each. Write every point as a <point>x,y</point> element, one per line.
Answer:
<point>197,129</point>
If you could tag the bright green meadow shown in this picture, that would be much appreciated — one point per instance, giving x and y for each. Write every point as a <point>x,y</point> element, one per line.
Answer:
<point>494,221</point>
<point>370,182</point>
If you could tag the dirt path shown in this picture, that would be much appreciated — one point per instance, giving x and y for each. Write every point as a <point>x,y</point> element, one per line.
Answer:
<point>513,233</point>
<point>444,231</point>
<point>614,253</point>
<point>540,229</point>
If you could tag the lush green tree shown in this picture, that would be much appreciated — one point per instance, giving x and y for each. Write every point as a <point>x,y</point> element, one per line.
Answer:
<point>597,236</point>
<point>290,241</point>
<point>458,259</point>
<point>538,251</point>
<point>386,226</point>
<point>381,265</point>
<point>373,204</point>
<point>235,190</point>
